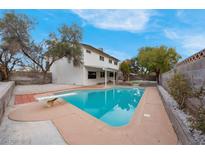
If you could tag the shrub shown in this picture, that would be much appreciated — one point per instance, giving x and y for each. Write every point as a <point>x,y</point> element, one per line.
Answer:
<point>198,122</point>
<point>180,89</point>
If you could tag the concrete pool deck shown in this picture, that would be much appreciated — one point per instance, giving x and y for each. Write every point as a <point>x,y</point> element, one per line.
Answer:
<point>28,94</point>
<point>149,125</point>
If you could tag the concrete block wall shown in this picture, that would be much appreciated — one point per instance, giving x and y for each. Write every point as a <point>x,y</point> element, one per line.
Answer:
<point>27,78</point>
<point>6,90</point>
<point>193,71</point>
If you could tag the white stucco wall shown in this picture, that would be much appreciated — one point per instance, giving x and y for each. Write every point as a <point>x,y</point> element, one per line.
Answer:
<point>92,59</point>
<point>64,72</point>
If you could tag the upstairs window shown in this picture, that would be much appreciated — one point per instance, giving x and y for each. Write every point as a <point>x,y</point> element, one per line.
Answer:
<point>91,75</point>
<point>88,51</point>
<point>110,61</point>
<point>102,74</point>
<point>101,58</point>
<point>115,62</point>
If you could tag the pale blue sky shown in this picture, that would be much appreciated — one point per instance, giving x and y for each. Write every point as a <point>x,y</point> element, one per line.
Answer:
<point>122,32</point>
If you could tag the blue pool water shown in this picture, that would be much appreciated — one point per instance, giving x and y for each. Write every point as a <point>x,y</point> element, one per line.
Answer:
<point>113,106</point>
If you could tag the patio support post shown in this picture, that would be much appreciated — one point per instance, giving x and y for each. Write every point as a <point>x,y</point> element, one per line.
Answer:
<point>105,78</point>
<point>113,78</point>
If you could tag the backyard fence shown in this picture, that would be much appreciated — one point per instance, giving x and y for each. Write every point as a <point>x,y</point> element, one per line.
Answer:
<point>194,72</point>
<point>141,77</point>
<point>193,69</point>
<point>25,78</point>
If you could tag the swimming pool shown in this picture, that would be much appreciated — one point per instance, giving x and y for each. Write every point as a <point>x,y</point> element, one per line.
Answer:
<point>114,106</point>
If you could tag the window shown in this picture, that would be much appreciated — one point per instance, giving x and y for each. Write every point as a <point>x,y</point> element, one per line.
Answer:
<point>115,62</point>
<point>91,75</point>
<point>102,74</point>
<point>88,51</point>
<point>111,74</point>
<point>110,61</point>
<point>101,58</point>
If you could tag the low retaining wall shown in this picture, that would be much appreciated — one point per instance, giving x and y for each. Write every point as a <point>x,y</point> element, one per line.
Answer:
<point>180,121</point>
<point>26,78</point>
<point>6,90</point>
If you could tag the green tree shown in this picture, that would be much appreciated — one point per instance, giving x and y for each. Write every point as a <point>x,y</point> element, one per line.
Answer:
<point>125,69</point>
<point>54,48</point>
<point>134,66</point>
<point>15,29</point>
<point>157,59</point>
<point>9,47</point>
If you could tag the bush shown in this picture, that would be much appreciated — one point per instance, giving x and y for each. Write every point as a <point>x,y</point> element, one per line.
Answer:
<point>198,122</point>
<point>180,89</point>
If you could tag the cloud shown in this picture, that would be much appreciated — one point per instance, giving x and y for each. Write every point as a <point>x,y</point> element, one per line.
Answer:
<point>194,42</point>
<point>191,42</point>
<point>190,35</point>
<point>121,55</point>
<point>123,20</point>
<point>170,34</point>
<point>181,14</point>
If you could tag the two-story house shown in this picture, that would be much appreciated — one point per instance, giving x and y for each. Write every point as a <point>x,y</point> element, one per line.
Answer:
<point>97,67</point>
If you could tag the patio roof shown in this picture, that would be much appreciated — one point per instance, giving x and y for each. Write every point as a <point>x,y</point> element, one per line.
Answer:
<point>103,68</point>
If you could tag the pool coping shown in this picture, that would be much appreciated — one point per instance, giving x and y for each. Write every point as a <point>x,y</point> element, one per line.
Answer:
<point>108,87</point>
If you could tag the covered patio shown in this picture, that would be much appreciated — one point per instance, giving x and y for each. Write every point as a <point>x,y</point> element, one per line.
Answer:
<point>97,75</point>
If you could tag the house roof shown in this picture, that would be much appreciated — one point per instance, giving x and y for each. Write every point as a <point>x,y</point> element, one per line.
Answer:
<point>193,58</point>
<point>98,51</point>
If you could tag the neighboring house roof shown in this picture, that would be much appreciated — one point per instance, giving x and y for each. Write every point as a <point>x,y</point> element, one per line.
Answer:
<point>193,58</point>
<point>98,51</point>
